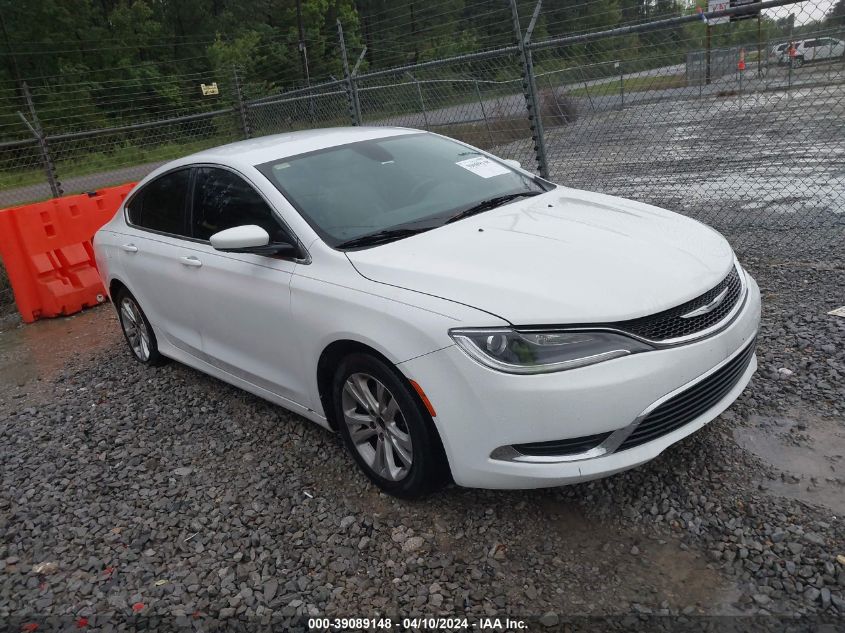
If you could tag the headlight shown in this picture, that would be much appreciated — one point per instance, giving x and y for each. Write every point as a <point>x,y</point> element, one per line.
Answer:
<point>515,352</point>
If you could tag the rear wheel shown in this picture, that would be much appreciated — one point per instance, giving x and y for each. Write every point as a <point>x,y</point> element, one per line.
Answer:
<point>137,330</point>
<point>386,429</point>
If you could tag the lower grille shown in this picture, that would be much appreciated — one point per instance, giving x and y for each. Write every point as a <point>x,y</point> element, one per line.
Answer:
<point>571,446</point>
<point>688,405</point>
<point>676,412</point>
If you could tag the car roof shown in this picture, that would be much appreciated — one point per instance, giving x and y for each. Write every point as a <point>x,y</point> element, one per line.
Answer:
<point>256,151</point>
<point>244,155</point>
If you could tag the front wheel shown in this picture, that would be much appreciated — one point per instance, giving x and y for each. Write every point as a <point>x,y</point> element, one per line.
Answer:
<point>386,429</point>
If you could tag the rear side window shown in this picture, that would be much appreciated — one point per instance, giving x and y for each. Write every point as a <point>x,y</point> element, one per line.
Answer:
<point>160,205</point>
<point>223,200</point>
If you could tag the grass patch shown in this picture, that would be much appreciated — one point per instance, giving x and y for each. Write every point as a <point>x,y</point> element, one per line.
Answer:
<point>503,127</point>
<point>632,84</point>
<point>122,156</point>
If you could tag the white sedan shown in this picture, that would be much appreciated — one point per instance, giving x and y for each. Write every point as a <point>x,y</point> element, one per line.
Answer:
<point>451,315</point>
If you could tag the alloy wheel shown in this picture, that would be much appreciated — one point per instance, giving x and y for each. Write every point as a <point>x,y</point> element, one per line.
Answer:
<point>377,427</point>
<point>135,329</point>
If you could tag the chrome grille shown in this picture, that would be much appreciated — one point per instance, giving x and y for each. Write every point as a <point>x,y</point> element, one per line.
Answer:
<point>669,324</point>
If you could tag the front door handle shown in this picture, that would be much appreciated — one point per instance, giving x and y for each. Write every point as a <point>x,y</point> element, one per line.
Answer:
<point>190,261</point>
<point>129,248</point>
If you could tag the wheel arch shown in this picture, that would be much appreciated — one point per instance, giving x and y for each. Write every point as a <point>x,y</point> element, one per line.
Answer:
<point>328,362</point>
<point>115,286</point>
<point>329,359</point>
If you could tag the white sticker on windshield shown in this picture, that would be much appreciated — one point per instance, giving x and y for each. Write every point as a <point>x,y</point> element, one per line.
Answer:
<point>483,166</point>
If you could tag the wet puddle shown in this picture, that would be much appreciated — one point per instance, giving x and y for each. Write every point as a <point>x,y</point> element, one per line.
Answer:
<point>809,452</point>
<point>40,349</point>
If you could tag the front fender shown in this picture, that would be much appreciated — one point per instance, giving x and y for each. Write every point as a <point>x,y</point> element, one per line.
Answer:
<point>398,324</point>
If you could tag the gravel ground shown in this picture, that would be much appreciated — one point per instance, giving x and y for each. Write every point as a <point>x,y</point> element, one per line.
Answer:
<point>167,494</point>
<point>761,167</point>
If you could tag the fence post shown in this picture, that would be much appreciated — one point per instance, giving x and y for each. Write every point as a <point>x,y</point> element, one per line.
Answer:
<point>789,85</point>
<point>529,86</point>
<point>621,85</point>
<point>241,105</point>
<point>422,101</point>
<point>43,146</point>
<point>586,88</point>
<point>351,91</point>
<point>483,112</point>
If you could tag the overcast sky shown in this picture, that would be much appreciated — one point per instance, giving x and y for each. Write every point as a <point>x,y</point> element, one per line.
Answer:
<point>806,11</point>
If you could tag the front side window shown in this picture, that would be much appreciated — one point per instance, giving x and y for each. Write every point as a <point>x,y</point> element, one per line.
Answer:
<point>408,182</point>
<point>223,200</point>
<point>160,205</point>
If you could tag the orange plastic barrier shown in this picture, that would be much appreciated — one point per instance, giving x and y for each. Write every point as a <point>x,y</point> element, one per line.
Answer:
<point>46,249</point>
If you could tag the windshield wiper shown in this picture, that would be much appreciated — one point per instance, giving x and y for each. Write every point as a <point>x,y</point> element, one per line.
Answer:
<point>491,203</point>
<point>381,237</point>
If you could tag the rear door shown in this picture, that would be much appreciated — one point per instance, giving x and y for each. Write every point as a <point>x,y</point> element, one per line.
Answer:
<point>156,256</point>
<point>827,48</point>
<point>244,299</point>
<point>823,48</point>
<point>809,51</point>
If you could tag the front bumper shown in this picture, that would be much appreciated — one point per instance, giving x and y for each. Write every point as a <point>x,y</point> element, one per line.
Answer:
<point>480,410</point>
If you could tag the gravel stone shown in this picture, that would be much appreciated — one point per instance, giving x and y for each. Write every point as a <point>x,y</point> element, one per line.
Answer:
<point>412,544</point>
<point>549,618</point>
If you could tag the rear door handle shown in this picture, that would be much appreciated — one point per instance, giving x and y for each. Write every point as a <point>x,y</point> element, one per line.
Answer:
<point>190,261</point>
<point>129,248</point>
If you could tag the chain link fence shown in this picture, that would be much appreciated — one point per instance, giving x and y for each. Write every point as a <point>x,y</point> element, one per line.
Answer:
<point>736,122</point>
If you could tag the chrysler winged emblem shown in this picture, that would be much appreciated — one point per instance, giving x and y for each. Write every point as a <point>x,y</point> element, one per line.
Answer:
<point>707,307</point>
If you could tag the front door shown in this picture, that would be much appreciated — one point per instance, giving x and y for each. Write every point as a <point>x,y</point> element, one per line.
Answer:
<point>244,299</point>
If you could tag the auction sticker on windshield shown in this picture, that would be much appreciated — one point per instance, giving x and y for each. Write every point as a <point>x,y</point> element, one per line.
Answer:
<point>484,167</point>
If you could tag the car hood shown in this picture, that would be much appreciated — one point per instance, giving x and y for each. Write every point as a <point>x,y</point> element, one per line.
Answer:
<point>563,257</point>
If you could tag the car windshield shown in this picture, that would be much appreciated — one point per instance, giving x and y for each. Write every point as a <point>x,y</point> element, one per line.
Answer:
<point>395,186</point>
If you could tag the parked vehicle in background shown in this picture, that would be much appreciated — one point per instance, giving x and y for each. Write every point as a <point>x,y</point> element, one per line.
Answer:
<point>778,53</point>
<point>811,50</point>
<point>447,312</point>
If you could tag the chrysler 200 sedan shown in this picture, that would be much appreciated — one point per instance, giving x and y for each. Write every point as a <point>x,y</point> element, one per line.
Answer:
<point>451,315</point>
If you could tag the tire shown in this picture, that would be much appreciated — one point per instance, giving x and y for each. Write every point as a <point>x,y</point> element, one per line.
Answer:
<point>798,62</point>
<point>137,330</point>
<point>395,442</point>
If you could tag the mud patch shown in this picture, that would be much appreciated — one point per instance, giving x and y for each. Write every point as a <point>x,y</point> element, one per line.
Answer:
<point>807,451</point>
<point>40,349</point>
<point>643,569</point>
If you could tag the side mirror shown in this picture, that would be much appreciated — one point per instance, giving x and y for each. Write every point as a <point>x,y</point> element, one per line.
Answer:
<point>250,238</point>
<point>512,163</point>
